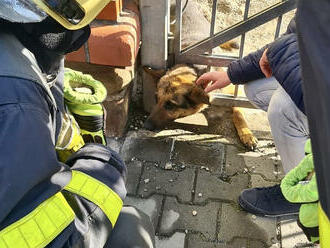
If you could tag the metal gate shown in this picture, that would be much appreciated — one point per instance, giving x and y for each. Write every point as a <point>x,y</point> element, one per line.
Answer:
<point>156,55</point>
<point>201,53</point>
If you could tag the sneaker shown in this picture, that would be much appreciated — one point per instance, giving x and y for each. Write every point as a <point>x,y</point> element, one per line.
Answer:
<point>268,201</point>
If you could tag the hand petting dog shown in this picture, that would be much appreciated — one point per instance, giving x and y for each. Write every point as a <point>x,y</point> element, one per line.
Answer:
<point>218,80</point>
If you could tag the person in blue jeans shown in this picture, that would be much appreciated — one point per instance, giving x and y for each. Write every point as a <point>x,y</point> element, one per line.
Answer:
<point>272,82</point>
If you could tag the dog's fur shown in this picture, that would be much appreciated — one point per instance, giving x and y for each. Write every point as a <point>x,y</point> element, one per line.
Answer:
<point>179,96</point>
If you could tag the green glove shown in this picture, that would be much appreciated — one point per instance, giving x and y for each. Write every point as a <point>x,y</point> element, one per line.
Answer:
<point>83,96</point>
<point>297,189</point>
<point>294,186</point>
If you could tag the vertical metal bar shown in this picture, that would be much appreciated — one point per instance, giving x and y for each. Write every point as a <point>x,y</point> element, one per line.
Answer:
<point>242,43</point>
<point>214,14</point>
<point>236,91</point>
<point>178,26</point>
<point>246,14</point>
<point>278,27</point>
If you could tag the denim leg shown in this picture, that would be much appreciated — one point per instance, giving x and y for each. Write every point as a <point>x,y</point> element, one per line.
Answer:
<point>288,124</point>
<point>259,92</point>
<point>289,128</point>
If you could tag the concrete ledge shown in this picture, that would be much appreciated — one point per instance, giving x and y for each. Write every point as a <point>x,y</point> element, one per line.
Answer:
<point>117,113</point>
<point>114,79</point>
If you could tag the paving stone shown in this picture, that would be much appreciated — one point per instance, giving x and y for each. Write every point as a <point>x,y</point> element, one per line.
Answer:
<point>150,206</point>
<point>134,170</point>
<point>188,136</point>
<point>292,235</point>
<point>147,149</point>
<point>175,241</point>
<point>267,147</point>
<point>212,187</point>
<point>237,223</point>
<point>168,182</point>
<point>262,165</point>
<point>234,162</point>
<point>179,217</point>
<point>258,123</point>
<point>210,155</point>
<point>114,143</point>
<point>259,181</point>
<point>259,244</point>
<point>195,241</point>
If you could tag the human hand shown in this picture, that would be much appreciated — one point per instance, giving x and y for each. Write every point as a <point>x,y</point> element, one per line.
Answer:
<point>218,80</point>
<point>264,65</point>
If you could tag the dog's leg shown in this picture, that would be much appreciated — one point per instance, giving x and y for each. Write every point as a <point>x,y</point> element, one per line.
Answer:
<point>244,133</point>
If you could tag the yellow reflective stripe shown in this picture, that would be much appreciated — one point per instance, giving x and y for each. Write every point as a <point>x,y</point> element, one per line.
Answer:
<point>324,228</point>
<point>96,192</point>
<point>40,227</point>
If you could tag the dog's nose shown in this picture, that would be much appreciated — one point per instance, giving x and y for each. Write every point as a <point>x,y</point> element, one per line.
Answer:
<point>149,125</point>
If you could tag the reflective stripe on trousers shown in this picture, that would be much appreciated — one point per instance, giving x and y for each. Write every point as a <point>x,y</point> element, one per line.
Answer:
<point>50,218</point>
<point>324,228</point>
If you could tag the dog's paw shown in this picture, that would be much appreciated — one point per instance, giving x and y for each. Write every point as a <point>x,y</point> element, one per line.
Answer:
<point>249,141</point>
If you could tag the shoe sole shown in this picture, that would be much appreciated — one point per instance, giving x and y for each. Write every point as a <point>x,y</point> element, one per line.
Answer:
<point>242,204</point>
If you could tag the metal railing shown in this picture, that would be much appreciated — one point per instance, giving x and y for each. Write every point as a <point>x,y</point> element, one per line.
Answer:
<point>201,52</point>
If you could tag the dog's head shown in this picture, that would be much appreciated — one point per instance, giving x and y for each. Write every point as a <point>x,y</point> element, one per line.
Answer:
<point>177,96</point>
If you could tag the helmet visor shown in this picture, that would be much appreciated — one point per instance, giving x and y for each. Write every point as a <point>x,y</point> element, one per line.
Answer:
<point>72,14</point>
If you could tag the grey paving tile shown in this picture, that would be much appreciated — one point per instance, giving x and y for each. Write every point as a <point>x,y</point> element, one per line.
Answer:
<point>134,170</point>
<point>292,235</point>
<point>234,160</point>
<point>259,244</point>
<point>146,149</point>
<point>150,206</point>
<point>114,143</point>
<point>169,182</point>
<point>180,217</point>
<point>259,181</point>
<point>263,165</point>
<point>212,187</point>
<point>236,223</point>
<point>210,155</point>
<point>196,241</point>
<point>177,240</point>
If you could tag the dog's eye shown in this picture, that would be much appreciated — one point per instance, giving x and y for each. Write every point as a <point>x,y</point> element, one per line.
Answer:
<point>169,105</point>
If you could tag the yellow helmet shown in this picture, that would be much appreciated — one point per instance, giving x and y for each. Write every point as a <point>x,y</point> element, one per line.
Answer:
<point>72,14</point>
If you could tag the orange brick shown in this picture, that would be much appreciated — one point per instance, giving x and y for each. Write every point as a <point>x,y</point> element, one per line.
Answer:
<point>112,44</point>
<point>111,11</point>
<point>77,56</point>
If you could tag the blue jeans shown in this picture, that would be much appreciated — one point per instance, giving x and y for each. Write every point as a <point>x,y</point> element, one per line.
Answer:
<point>288,124</point>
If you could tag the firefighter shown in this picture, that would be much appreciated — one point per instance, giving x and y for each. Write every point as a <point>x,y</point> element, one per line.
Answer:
<point>48,200</point>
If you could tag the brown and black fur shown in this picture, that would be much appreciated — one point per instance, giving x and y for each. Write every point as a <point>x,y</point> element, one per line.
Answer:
<point>178,96</point>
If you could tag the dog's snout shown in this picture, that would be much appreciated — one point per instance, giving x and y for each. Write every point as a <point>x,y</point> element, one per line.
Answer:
<point>149,125</point>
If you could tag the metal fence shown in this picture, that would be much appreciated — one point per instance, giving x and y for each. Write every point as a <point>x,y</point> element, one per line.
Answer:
<point>201,52</point>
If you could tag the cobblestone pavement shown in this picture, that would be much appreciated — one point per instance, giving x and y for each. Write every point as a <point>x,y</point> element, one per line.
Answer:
<point>189,184</point>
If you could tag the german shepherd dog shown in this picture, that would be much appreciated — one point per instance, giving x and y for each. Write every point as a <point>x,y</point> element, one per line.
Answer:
<point>178,96</point>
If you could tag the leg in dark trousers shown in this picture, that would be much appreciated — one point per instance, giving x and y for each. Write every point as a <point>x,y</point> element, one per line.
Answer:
<point>133,230</point>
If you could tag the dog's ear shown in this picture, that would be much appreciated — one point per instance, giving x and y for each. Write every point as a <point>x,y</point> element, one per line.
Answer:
<point>198,95</point>
<point>154,72</point>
